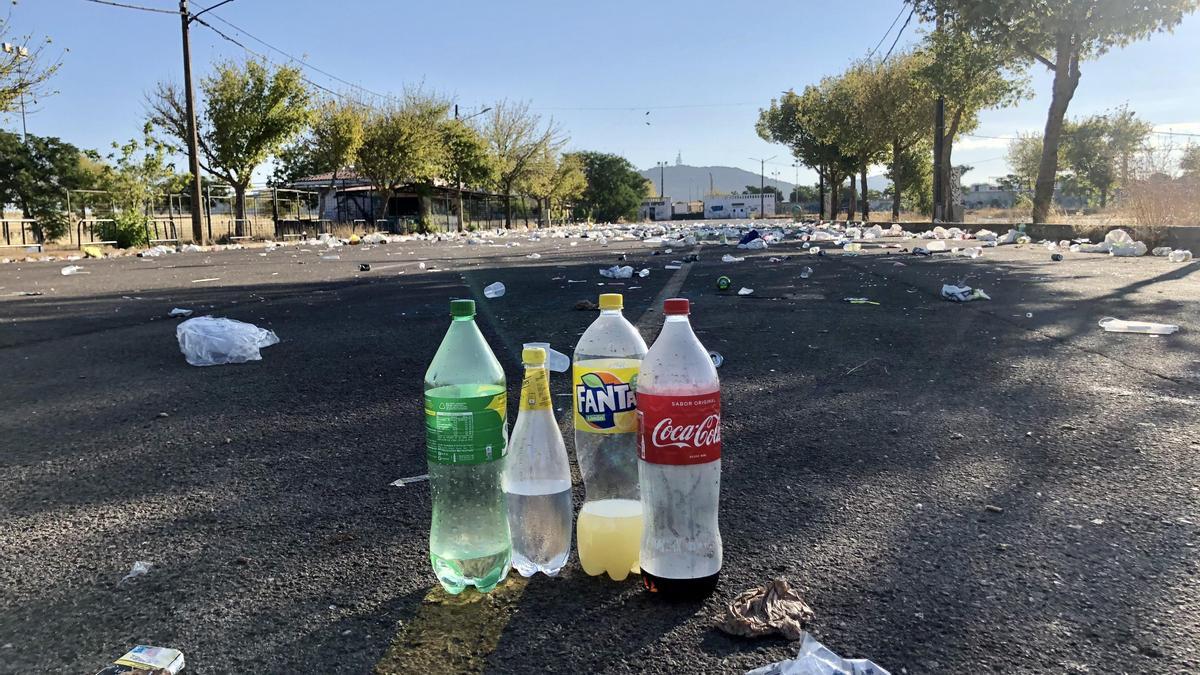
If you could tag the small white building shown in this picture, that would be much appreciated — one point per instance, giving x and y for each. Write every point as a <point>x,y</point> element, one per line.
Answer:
<point>655,208</point>
<point>739,206</point>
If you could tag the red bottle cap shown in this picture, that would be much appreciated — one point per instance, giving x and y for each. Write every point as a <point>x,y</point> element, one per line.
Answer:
<point>676,306</point>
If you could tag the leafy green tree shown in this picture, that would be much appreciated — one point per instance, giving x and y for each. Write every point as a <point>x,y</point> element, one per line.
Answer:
<point>403,145</point>
<point>972,75</point>
<point>614,190</point>
<point>35,175</point>
<point>139,171</point>
<point>1060,35</point>
<point>803,193</point>
<point>804,122</point>
<point>1126,137</point>
<point>556,178</point>
<point>1090,157</point>
<point>896,99</point>
<point>467,159</point>
<point>1025,158</point>
<point>250,111</point>
<point>516,137</point>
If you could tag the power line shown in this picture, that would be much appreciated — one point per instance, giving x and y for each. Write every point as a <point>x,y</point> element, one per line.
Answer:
<point>889,30</point>
<point>137,7</point>
<point>910,16</point>
<point>654,107</point>
<point>302,62</point>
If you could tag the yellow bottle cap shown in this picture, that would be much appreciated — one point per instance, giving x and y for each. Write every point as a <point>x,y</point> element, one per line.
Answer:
<point>611,301</point>
<point>534,356</point>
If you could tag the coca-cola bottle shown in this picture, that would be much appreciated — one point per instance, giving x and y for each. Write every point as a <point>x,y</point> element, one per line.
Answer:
<point>679,467</point>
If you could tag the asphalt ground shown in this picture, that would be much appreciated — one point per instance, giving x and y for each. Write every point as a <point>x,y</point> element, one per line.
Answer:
<point>955,488</point>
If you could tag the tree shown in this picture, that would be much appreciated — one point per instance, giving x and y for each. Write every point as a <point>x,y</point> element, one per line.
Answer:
<point>467,159</point>
<point>972,75</point>
<point>1189,164</point>
<point>1025,158</point>
<point>1060,35</point>
<point>556,178</point>
<point>803,193</point>
<point>35,175</point>
<point>1089,156</point>
<point>24,70</point>
<point>1126,137</point>
<point>250,111</point>
<point>403,145</point>
<point>768,189</point>
<point>330,146</point>
<point>614,190</point>
<point>897,103</point>
<point>516,137</point>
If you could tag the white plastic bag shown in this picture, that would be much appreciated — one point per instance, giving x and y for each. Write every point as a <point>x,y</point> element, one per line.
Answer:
<point>815,658</point>
<point>617,272</point>
<point>754,245</point>
<point>209,341</point>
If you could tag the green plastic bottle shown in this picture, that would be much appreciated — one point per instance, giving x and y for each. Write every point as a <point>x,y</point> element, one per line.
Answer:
<point>466,436</point>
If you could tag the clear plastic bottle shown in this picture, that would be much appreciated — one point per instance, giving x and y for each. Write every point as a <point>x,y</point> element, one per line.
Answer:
<point>607,362</point>
<point>679,447</point>
<point>537,477</point>
<point>465,408</point>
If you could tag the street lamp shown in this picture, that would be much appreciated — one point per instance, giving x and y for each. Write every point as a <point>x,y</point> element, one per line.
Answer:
<point>662,178</point>
<point>762,182</point>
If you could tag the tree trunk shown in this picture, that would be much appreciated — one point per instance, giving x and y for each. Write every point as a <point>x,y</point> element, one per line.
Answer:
<point>333,193</point>
<point>821,193</point>
<point>1103,197</point>
<point>835,202</point>
<point>896,182</point>
<point>866,192</point>
<point>385,196</point>
<point>1066,79</point>
<point>239,205</point>
<point>507,211</point>
<point>948,209</point>
<point>852,205</point>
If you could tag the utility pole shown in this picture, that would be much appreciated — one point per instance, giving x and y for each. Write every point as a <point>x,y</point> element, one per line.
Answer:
<point>762,183</point>
<point>662,179</point>
<point>198,233</point>
<point>939,132</point>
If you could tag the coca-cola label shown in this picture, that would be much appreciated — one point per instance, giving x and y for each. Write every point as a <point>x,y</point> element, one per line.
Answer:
<point>679,429</point>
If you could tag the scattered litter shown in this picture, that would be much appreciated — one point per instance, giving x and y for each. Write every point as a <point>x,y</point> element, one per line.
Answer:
<point>146,659</point>
<point>420,266</point>
<point>644,273</point>
<point>992,508</point>
<point>936,246</point>
<point>27,293</point>
<point>139,568</point>
<point>963,293</point>
<point>1056,257</point>
<point>852,248</point>
<point>724,283</point>
<point>196,281</point>
<point>617,272</point>
<point>860,301</point>
<point>401,482</point>
<point>72,269</point>
<point>331,257</point>
<point>209,341</point>
<point>1113,325</point>
<point>745,291</point>
<point>1180,256</point>
<point>815,658</point>
<point>774,259</point>
<point>556,361</point>
<point>376,238</point>
<point>186,248</point>
<point>494,290</point>
<point>717,359</point>
<point>92,252</point>
<point>727,258</point>
<point>806,272</point>
<point>675,267</point>
<point>921,250</point>
<point>774,608</point>
<point>754,245</point>
<point>749,237</point>
<point>534,256</point>
<point>815,250</point>
<point>1161,251</point>
<point>156,251</point>
<point>179,311</point>
<point>691,257</point>
<point>364,267</point>
<point>972,253</point>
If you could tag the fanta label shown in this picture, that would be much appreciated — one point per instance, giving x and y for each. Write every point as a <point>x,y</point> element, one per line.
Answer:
<point>679,429</point>
<point>605,396</point>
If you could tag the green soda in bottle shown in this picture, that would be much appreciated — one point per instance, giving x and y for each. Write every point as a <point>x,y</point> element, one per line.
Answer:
<point>465,436</point>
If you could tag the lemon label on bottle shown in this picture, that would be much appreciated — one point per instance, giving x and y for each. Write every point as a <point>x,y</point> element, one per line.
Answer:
<point>605,395</point>
<point>535,390</point>
<point>464,429</point>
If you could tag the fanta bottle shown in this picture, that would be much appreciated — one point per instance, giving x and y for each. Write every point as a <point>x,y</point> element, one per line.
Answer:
<point>607,361</point>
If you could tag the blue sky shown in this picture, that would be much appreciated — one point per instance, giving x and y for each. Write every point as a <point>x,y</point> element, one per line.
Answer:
<point>596,68</point>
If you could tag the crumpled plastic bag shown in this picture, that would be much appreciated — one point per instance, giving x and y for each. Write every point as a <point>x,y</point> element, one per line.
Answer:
<point>963,293</point>
<point>1180,256</point>
<point>376,238</point>
<point>770,609</point>
<point>209,341</point>
<point>754,245</point>
<point>815,658</point>
<point>617,272</point>
<point>1132,249</point>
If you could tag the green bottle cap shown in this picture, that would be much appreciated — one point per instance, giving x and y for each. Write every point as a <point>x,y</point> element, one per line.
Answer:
<point>462,308</point>
<point>724,282</point>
